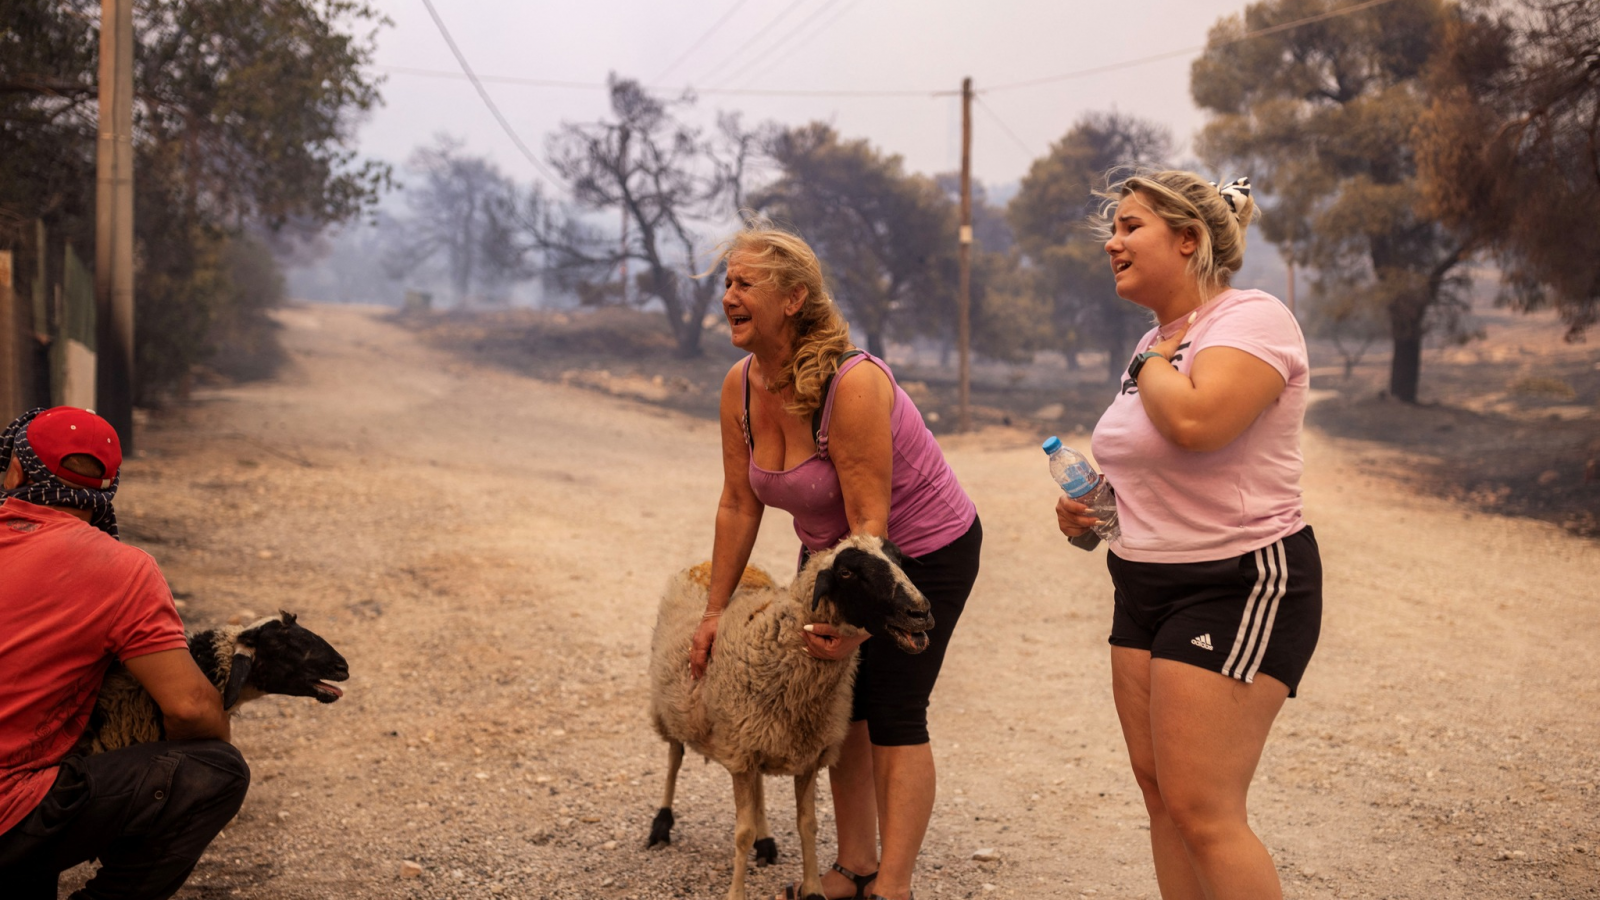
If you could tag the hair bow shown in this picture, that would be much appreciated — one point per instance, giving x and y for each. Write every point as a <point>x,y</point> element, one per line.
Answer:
<point>1234,191</point>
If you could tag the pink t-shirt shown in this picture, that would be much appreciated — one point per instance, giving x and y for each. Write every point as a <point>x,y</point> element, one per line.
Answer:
<point>1178,506</point>
<point>71,599</point>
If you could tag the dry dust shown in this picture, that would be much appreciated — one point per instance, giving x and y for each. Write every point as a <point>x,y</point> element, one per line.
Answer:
<point>487,551</point>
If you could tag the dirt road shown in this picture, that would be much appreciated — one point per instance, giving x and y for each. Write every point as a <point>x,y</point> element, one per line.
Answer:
<point>487,551</point>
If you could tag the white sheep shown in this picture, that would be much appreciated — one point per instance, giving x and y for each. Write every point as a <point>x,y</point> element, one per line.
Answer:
<point>765,706</point>
<point>275,655</point>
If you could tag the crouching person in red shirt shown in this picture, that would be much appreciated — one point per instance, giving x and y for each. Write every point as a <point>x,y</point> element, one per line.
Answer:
<point>72,598</point>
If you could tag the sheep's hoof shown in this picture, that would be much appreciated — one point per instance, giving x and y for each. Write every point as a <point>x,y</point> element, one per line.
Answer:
<point>766,851</point>
<point>661,828</point>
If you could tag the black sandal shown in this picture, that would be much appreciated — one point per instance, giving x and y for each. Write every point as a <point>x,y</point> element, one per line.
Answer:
<point>792,890</point>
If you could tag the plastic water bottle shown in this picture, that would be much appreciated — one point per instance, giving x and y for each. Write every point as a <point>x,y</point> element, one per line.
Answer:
<point>1082,483</point>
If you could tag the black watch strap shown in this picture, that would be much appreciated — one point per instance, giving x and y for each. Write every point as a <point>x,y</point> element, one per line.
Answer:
<point>1139,361</point>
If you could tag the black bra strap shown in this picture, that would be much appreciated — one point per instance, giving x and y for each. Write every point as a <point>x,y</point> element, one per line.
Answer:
<point>749,433</point>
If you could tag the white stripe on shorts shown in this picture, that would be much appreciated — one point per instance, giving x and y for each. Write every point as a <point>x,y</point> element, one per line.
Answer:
<point>1260,611</point>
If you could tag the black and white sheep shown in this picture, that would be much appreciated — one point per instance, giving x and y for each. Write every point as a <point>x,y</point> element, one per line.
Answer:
<point>275,655</point>
<point>765,706</point>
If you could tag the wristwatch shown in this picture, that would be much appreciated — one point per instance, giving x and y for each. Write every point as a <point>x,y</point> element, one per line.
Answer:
<point>1140,360</point>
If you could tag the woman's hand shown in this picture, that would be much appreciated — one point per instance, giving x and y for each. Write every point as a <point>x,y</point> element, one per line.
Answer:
<point>1169,347</point>
<point>1073,518</point>
<point>700,650</point>
<point>823,641</point>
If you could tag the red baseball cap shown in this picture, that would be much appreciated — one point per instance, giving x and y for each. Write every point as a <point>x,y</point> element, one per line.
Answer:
<point>58,433</point>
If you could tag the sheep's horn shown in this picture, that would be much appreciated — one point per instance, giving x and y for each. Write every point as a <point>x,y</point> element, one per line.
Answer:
<point>238,675</point>
<point>824,585</point>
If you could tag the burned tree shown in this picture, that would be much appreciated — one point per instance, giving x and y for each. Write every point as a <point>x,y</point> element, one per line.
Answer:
<point>449,220</point>
<point>670,183</point>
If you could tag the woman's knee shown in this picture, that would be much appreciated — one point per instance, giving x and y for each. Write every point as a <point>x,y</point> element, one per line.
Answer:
<point>1145,776</point>
<point>1202,815</point>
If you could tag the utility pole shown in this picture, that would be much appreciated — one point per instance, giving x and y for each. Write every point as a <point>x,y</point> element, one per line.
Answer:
<point>10,346</point>
<point>964,297</point>
<point>113,251</point>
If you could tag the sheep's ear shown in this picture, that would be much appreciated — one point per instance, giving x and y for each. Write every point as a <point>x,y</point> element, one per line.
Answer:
<point>895,554</point>
<point>237,677</point>
<point>824,585</point>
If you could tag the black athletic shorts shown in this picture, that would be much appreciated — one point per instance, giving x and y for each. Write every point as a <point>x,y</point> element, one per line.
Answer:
<point>1259,612</point>
<point>893,686</point>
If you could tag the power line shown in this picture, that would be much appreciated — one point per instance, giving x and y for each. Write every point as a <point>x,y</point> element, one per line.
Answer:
<point>1126,64</point>
<point>862,94</point>
<point>766,54</point>
<point>1003,126</point>
<point>471,76</point>
<point>597,85</point>
<point>702,39</point>
<point>801,42</point>
<point>740,50</point>
<point>497,79</point>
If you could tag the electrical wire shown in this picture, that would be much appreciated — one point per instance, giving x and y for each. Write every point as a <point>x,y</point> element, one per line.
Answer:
<point>1127,64</point>
<point>595,85</point>
<point>787,37</point>
<point>757,92</point>
<point>1003,126</point>
<point>487,100</point>
<point>797,43</point>
<point>745,45</point>
<point>701,40</point>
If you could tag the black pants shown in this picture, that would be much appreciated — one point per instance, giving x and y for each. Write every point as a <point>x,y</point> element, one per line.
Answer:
<point>147,812</point>
<point>893,686</point>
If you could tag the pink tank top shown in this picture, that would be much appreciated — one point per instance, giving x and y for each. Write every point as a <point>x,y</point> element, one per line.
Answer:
<point>927,507</point>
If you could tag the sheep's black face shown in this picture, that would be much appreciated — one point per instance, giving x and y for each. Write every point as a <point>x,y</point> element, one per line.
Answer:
<point>293,660</point>
<point>871,592</point>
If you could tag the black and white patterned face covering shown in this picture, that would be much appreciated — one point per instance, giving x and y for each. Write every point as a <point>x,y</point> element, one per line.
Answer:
<point>44,488</point>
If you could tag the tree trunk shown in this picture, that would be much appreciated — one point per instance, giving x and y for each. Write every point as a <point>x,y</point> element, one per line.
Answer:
<point>875,343</point>
<point>1406,316</point>
<point>1405,369</point>
<point>688,333</point>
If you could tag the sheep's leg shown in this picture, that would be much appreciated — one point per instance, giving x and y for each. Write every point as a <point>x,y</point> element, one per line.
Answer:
<point>746,791</point>
<point>805,815</point>
<point>661,828</point>
<point>766,847</point>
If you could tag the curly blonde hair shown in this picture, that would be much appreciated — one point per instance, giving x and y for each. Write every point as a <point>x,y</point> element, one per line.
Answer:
<point>821,334</point>
<point>1187,202</point>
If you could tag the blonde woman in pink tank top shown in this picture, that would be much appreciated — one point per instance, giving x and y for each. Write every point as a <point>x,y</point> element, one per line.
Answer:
<point>814,427</point>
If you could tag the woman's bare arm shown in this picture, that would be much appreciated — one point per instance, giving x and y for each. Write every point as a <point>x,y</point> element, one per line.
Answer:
<point>738,517</point>
<point>861,447</point>
<point>1225,390</point>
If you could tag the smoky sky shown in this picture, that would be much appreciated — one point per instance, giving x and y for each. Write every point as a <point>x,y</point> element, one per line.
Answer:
<point>918,47</point>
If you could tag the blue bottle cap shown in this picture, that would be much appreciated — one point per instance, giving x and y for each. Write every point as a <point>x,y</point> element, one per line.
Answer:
<point>1052,444</point>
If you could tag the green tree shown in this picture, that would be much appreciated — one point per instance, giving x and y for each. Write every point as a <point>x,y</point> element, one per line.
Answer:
<point>887,238</point>
<point>243,118</point>
<point>1067,261</point>
<point>1509,149</point>
<point>1322,115</point>
<point>1010,319</point>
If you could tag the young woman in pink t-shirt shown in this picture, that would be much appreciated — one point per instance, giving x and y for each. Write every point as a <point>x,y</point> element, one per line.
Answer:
<point>1217,579</point>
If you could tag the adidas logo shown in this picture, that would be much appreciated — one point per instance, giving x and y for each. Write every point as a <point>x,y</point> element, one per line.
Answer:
<point>1203,642</point>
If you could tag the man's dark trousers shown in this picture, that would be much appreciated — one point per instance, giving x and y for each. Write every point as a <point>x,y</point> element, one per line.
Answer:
<point>147,812</point>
